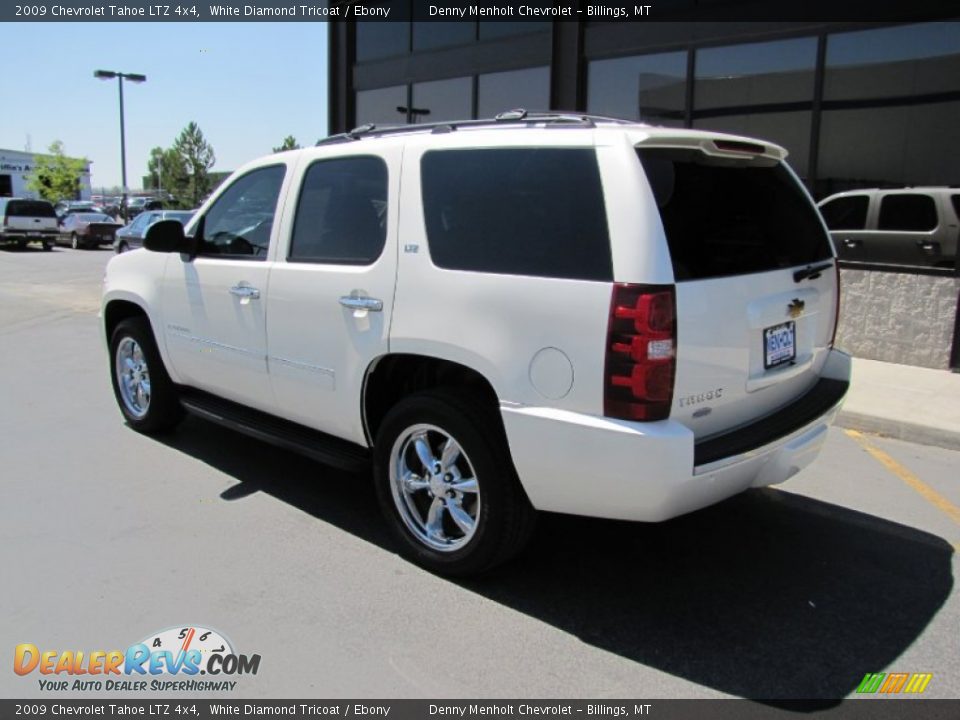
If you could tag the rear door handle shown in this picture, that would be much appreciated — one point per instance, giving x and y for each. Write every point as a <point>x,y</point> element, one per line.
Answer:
<point>245,292</point>
<point>361,303</point>
<point>850,243</point>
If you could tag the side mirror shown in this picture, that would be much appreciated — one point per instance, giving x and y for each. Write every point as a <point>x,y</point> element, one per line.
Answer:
<point>167,236</point>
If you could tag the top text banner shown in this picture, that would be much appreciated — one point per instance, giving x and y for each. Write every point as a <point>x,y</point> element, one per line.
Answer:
<point>614,11</point>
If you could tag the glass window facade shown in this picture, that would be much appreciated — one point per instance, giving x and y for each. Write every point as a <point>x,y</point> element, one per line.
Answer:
<point>891,108</point>
<point>764,90</point>
<point>442,100</point>
<point>378,40</point>
<point>497,92</point>
<point>435,35</point>
<point>647,87</point>
<point>380,106</point>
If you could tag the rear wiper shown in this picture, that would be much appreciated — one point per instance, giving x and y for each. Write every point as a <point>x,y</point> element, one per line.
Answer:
<point>812,272</point>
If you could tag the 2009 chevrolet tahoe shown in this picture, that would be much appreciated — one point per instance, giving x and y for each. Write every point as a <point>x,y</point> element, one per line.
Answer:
<point>539,312</point>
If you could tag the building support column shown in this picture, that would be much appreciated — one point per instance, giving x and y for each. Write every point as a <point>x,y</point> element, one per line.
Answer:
<point>340,113</point>
<point>566,69</point>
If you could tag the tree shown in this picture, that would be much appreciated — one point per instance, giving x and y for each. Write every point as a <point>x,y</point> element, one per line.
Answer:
<point>56,177</point>
<point>289,143</point>
<point>198,158</point>
<point>168,171</point>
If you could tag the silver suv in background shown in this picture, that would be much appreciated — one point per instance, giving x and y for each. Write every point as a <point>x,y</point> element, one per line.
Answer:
<point>25,221</point>
<point>907,226</point>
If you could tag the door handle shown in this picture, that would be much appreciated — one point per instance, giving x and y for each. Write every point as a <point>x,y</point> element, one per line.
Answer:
<point>850,243</point>
<point>361,303</point>
<point>926,245</point>
<point>245,292</point>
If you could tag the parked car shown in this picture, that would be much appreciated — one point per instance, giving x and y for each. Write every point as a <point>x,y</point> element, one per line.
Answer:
<point>909,226</point>
<point>131,236</point>
<point>65,208</point>
<point>137,205</point>
<point>25,221</point>
<point>85,230</point>
<point>540,312</point>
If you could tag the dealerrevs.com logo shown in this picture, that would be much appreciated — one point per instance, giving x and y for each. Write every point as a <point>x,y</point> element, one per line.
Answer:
<point>187,652</point>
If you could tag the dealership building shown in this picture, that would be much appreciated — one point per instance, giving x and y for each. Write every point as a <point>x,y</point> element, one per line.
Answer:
<point>858,103</point>
<point>15,167</point>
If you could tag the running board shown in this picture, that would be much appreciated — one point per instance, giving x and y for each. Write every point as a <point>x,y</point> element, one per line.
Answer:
<point>314,444</point>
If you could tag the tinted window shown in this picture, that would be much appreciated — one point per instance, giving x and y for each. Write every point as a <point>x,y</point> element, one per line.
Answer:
<point>846,213</point>
<point>517,211</point>
<point>915,213</point>
<point>239,222</point>
<point>726,217</point>
<point>342,212</point>
<point>30,208</point>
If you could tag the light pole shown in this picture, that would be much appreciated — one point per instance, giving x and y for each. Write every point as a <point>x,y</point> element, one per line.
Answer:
<point>132,77</point>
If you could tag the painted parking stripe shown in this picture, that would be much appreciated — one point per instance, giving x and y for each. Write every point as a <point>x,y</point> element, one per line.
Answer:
<point>925,491</point>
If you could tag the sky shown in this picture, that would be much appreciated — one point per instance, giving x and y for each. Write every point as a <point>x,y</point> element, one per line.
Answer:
<point>247,85</point>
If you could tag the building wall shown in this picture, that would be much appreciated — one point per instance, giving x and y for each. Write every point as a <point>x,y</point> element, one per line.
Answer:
<point>897,317</point>
<point>16,165</point>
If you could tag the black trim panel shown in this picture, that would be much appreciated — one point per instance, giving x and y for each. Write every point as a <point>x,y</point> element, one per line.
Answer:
<point>788,419</point>
<point>289,435</point>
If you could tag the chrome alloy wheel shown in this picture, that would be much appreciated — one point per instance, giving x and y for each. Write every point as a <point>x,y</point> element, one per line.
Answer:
<point>434,487</point>
<point>133,377</point>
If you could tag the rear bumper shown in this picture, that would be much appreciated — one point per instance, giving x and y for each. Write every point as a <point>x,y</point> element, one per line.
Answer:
<point>11,235</point>
<point>587,465</point>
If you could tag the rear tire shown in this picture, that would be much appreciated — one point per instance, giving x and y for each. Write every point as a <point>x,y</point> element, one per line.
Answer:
<point>47,246</point>
<point>122,247</point>
<point>447,486</point>
<point>144,391</point>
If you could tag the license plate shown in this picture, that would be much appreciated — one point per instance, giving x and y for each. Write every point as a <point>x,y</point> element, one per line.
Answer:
<point>779,344</point>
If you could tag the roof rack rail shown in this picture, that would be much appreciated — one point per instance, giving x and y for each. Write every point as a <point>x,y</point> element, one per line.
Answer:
<point>517,116</point>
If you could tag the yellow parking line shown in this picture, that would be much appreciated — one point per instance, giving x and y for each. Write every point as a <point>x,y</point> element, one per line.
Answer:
<point>925,491</point>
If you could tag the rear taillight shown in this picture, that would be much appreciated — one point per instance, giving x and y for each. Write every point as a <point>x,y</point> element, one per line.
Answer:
<point>836,309</point>
<point>641,352</point>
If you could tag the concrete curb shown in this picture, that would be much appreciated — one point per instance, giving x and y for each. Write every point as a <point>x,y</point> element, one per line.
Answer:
<point>899,429</point>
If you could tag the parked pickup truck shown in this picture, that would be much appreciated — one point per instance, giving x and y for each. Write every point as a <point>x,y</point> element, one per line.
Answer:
<point>25,221</point>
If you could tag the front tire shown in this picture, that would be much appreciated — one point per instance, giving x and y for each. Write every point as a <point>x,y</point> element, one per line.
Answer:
<point>145,393</point>
<point>447,486</point>
<point>122,248</point>
<point>47,246</point>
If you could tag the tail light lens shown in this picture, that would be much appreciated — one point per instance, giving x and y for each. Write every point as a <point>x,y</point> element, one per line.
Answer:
<point>641,352</point>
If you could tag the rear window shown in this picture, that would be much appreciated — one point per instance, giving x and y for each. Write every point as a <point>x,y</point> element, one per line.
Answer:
<point>727,217</point>
<point>517,211</point>
<point>30,208</point>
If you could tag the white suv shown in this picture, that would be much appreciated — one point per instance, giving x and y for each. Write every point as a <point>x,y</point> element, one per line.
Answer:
<point>550,312</point>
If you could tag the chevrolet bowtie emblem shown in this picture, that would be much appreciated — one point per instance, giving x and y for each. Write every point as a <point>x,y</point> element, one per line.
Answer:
<point>795,308</point>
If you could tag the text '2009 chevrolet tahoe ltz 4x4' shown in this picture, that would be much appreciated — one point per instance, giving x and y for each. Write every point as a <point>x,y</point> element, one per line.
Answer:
<point>552,312</point>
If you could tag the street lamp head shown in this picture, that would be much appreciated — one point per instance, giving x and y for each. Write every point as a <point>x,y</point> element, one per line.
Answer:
<point>104,74</point>
<point>133,77</point>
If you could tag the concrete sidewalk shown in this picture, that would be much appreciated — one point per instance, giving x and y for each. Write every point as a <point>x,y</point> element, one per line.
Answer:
<point>904,402</point>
